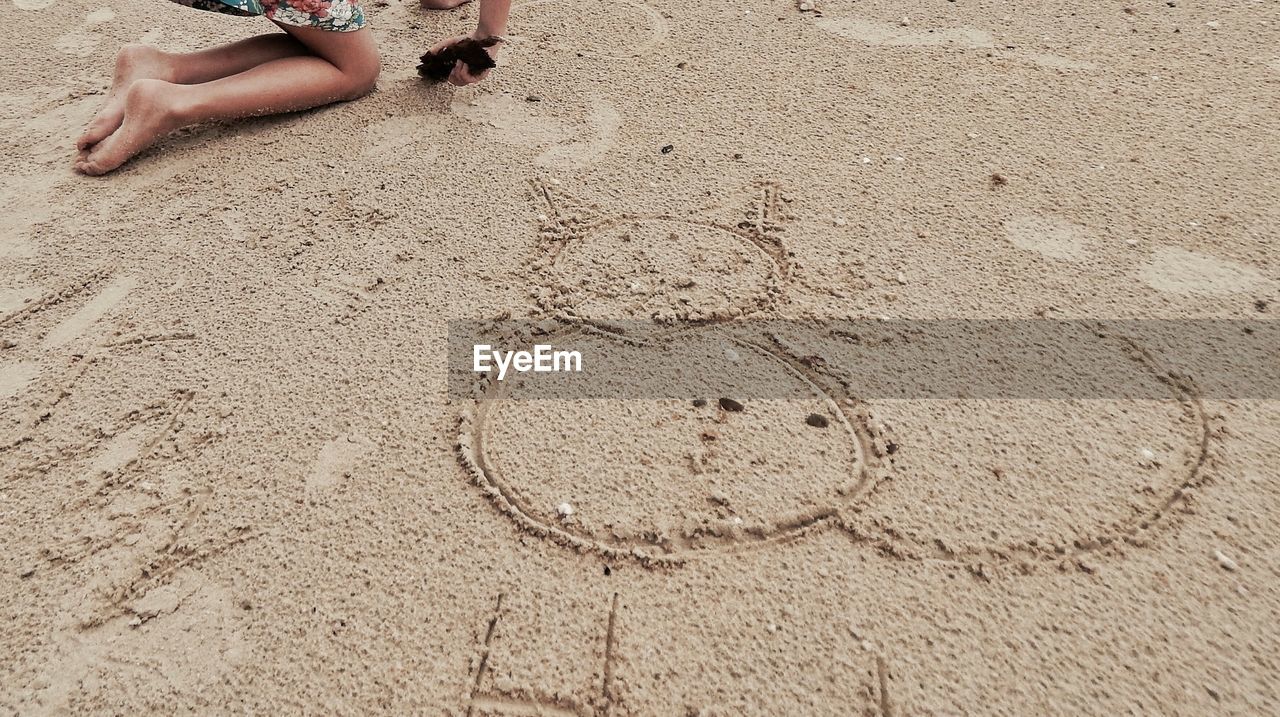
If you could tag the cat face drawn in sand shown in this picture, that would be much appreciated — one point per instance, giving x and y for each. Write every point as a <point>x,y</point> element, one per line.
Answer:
<point>686,476</point>
<point>664,481</point>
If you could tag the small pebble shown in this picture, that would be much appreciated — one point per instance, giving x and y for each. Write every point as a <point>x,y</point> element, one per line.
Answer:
<point>1148,456</point>
<point>533,98</point>
<point>668,149</point>
<point>699,402</point>
<point>731,355</point>
<point>731,405</point>
<point>1224,561</point>
<point>564,510</point>
<point>817,420</point>
<point>840,221</point>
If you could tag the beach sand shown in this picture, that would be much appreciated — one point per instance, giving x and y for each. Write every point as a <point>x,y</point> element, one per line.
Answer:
<point>233,480</point>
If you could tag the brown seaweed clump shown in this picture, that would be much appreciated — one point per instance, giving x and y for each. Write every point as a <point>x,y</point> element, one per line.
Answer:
<point>436,66</point>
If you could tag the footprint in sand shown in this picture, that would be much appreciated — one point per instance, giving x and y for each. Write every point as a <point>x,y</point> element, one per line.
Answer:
<point>49,122</point>
<point>336,461</point>
<point>1053,237</point>
<point>99,306</point>
<point>563,142</point>
<point>599,28</point>
<point>189,632</point>
<point>395,140</point>
<point>171,40</point>
<point>15,377</point>
<point>893,35</point>
<point>63,329</point>
<point>17,219</point>
<point>886,34</point>
<point>77,44</point>
<point>26,201</point>
<point>1181,271</point>
<point>83,42</point>
<point>13,299</point>
<point>1056,62</point>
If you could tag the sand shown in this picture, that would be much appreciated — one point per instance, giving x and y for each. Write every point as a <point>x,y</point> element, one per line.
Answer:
<point>232,479</point>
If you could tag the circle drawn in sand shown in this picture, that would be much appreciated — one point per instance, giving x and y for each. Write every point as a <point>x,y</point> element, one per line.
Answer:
<point>659,268</point>
<point>1048,236</point>
<point>1180,271</point>
<point>601,28</point>
<point>665,268</point>
<point>1032,480</point>
<point>665,480</point>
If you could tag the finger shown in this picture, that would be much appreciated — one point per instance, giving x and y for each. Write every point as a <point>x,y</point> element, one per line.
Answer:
<point>443,44</point>
<point>457,78</point>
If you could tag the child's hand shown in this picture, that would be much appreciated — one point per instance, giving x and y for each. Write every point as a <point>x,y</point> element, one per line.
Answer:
<point>461,75</point>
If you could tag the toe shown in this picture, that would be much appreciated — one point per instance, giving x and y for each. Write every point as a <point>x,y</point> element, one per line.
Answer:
<point>91,168</point>
<point>98,130</point>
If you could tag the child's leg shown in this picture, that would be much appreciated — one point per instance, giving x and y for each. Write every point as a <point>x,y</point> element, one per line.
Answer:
<point>339,66</point>
<point>142,62</point>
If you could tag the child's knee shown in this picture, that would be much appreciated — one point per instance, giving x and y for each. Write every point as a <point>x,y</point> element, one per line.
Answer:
<point>362,79</point>
<point>362,70</point>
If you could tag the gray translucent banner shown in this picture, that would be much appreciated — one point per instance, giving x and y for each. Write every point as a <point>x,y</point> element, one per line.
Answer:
<point>867,359</point>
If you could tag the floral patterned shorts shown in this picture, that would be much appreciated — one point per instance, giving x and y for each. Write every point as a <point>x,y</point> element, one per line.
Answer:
<point>331,15</point>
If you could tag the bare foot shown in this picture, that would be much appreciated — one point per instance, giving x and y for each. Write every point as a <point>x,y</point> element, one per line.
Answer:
<point>150,112</point>
<point>135,62</point>
<point>441,4</point>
